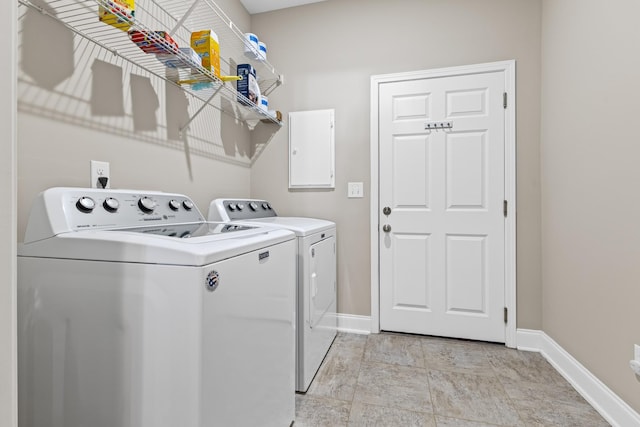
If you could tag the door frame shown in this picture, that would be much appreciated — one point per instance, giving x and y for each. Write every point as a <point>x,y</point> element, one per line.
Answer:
<point>9,221</point>
<point>509,69</point>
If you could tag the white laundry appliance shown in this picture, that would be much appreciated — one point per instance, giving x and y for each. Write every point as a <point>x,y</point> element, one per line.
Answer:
<point>316,316</point>
<point>133,311</point>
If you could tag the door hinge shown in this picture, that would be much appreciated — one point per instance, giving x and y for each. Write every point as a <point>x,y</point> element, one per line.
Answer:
<point>505,208</point>
<point>504,99</point>
<point>506,314</point>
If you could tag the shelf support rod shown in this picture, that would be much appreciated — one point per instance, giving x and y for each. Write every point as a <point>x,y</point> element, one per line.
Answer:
<point>184,17</point>
<point>273,86</point>
<point>186,125</point>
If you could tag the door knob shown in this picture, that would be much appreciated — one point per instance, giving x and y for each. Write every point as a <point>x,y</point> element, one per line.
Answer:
<point>386,228</point>
<point>386,210</point>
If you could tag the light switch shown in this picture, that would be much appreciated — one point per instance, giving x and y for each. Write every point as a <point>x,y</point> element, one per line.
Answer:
<point>355,190</point>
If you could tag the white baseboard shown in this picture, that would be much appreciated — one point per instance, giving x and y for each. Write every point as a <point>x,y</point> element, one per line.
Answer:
<point>613,409</point>
<point>354,324</point>
<point>529,340</point>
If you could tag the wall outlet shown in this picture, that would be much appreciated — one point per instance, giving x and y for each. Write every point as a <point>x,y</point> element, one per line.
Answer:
<point>355,190</point>
<point>100,176</point>
<point>635,363</point>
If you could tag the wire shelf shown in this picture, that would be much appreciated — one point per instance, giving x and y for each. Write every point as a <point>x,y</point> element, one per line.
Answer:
<point>178,19</point>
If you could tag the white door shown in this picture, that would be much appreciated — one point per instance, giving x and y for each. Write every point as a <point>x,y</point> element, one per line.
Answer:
<point>442,251</point>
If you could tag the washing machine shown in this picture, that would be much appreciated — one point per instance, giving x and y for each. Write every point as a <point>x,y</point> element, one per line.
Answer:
<point>133,311</point>
<point>317,323</point>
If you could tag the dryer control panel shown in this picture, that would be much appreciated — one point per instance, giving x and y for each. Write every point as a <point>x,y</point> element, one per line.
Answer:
<point>59,210</point>
<point>239,209</point>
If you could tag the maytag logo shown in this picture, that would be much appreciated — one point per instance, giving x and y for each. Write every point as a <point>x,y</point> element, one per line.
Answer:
<point>263,255</point>
<point>212,281</point>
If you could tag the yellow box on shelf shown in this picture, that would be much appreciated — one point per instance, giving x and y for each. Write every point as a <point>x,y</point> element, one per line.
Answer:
<point>206,45</point>
<point>118,13</point>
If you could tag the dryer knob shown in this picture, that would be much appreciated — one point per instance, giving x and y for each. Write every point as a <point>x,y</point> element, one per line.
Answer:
<point>146,205</point>
<point>265,206</point>
<point>231,206</point>
<point>240,206</point>
<point>174,205</point>
<point>110,204</point>
<point>253,206</point>
<point>85,204</point>
<point>188,204</point>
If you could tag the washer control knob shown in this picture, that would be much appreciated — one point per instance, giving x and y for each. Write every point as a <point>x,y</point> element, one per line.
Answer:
<point>85,204</point>
<point>110,204</point>
<point>268,206</point>
<point>188,204</point>
<point>146,205</point>
<point>231,206</point>
<point>174,205</point>
<point>265,206</point>
<point>253,206</point>
<point>240,206</point>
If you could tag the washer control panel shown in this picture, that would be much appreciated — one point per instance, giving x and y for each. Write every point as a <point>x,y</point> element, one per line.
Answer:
<point>60,209</point>
<point>127,209</point>
<point>237,209</point>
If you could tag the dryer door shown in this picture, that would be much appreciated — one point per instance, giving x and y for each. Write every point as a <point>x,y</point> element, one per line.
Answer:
<point>322,295</point>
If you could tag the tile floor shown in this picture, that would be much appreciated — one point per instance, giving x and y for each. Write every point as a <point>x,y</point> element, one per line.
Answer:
<point>405,380</point>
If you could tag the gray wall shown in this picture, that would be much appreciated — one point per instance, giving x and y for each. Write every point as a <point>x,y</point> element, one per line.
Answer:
<point>328,51</point>
<point>8,356</point>
<point>590,197</point>
<point>83,106</point>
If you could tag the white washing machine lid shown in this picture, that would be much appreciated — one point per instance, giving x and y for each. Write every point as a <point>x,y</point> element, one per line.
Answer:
<point>152,245</point>
<point>299,225</point>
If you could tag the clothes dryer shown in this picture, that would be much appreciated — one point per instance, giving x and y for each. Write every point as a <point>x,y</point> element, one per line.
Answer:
<point>316,316</point>
<point>135,311</point>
